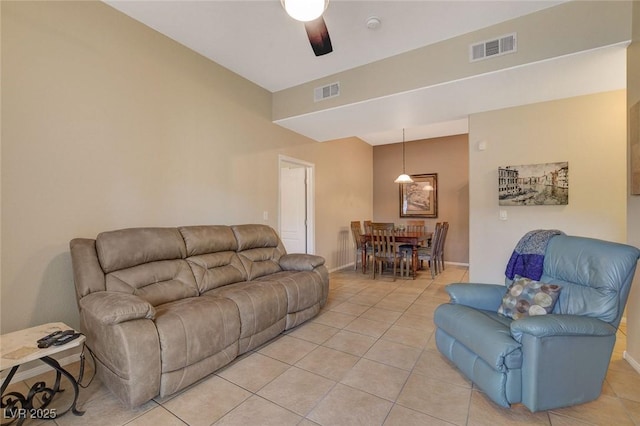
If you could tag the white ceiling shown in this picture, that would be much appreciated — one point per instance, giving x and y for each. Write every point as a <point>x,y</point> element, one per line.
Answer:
<point>257,40</point>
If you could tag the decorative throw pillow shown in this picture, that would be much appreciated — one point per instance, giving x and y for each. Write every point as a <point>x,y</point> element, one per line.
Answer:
<point>526,297</point>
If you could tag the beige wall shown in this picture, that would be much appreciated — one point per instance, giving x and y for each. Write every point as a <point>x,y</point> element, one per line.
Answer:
<point>589,133</point>
<point>568,28</point>
<point>449,158</point>
<point>633,202</point>
<point>344,192</point>
<point>107,124</point>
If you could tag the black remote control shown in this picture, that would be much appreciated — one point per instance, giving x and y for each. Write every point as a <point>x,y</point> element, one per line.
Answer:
<point>49,340</point>
<point>49,336</point>
<point>61,340</point>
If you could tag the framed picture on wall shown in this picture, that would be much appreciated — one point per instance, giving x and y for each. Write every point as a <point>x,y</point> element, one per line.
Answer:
<point>534,184</point>
<point>420,197</point>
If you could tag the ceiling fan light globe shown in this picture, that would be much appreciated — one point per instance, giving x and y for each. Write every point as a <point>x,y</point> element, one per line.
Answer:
<point>305,10</point>
<point>403,178</point>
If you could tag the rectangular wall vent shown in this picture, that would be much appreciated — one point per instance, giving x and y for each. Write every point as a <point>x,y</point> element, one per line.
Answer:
<point>495,47</point>
<point>325,92</point>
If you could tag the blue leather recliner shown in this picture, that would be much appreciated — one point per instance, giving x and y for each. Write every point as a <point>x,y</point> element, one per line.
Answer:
<point>545,361</point>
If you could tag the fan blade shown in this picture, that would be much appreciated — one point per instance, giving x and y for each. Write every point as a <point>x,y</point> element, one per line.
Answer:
<point>318,36</point>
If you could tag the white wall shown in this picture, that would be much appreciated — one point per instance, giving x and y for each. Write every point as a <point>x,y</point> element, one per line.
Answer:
<point>588,132</point>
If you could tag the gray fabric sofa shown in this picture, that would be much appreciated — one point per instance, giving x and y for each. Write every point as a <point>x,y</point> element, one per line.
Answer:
<point>164,307</point>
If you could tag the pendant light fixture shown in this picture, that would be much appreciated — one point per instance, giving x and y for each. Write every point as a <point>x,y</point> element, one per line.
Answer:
<point>305,10</point>
<point>404,177</point>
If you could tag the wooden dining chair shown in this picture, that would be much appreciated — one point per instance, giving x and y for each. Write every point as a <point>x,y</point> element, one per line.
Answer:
<point>356,232</point>
<point>439,256</point>
<point>384,248</point>
<point>429,254</point>
<point>412,226</point>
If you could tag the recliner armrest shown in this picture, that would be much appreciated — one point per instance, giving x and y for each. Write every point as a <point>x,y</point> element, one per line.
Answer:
<point>560,325</point>
<point>113,308</point>
<point>300,262</point>
<point>480,296</point>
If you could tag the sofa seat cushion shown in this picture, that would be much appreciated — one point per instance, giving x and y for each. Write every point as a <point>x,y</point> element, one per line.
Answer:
<point>484,333</point>
<point>262,307</point>
<point>195,328</point>
<point>304,289</point>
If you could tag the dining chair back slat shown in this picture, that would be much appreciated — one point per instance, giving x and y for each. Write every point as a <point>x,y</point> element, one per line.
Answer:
<point>384,247</point>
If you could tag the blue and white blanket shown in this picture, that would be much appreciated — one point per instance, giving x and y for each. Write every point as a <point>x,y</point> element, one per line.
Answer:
<point>528,256</point>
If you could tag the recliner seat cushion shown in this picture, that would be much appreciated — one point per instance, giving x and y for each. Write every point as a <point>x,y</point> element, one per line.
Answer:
<point>484,333</point>
<point>196,328</point>
<point>304,289</point>
<point>262,308</point>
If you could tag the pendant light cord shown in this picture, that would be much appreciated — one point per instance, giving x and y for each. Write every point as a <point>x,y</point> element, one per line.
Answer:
<point>403,157</point>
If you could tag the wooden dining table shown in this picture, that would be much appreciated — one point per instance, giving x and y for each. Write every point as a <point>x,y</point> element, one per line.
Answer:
<point>403,237</point>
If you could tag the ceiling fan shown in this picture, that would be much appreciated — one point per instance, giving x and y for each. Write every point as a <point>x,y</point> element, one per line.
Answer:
<point>310,12</point>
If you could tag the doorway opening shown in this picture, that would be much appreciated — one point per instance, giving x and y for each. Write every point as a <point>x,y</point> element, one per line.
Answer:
<point>296,205</point>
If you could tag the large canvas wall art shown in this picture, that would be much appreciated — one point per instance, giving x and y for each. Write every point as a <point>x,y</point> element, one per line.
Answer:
<point>534,184</point>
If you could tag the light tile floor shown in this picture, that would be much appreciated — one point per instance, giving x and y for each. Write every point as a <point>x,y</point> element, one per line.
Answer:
<point>368,359</point>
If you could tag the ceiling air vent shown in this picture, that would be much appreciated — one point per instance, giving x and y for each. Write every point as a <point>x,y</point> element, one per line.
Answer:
<point>325,92</point>
<point>494,47</point>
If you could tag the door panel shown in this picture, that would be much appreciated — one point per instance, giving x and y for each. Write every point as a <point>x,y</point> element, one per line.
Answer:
<point>293,215</point>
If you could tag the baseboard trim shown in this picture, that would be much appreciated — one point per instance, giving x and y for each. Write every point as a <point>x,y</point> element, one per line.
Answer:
<point>632,362</point>
<point>339,268</point>
<point>456,264</point>
<point>350,265</point>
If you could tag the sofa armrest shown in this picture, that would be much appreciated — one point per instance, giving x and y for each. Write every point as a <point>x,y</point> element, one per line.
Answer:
<point>560,325</point>
<point>300,262</point>
<point>480,296</point>
<point>113,308</point>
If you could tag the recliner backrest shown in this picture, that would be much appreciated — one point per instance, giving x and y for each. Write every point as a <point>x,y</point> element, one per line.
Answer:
<point>595,276</point>
<point>211,251</point>
<point>259,249</point>
<point>147,262</point>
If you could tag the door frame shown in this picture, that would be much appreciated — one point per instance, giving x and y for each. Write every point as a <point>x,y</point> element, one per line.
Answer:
<point>310,197</point>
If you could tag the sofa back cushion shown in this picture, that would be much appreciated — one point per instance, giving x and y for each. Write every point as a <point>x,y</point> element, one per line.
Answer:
<point>134,246</point>
<point>212,256</point>
<point>208,239</point>
<point>595,276</point>
<point>259,249</point>
<point>148,262</point>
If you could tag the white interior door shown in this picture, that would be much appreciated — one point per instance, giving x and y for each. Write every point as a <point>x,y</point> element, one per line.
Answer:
<point>293,207</point>
<point>296,218</point>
